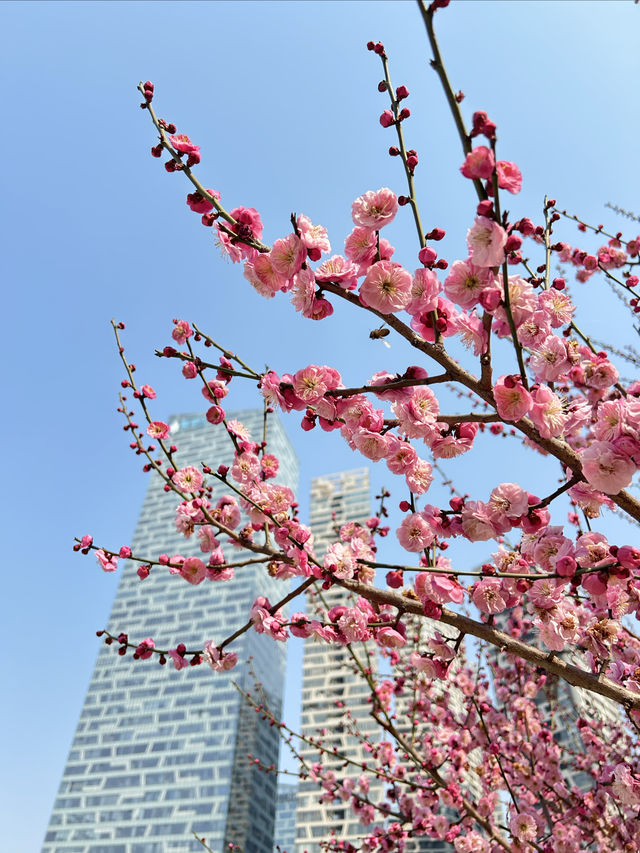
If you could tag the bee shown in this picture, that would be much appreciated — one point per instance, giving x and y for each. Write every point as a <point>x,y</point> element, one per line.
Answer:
<point>380,334</point>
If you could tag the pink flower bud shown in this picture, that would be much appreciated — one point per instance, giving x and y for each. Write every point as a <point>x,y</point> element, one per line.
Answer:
<point>387,119</point>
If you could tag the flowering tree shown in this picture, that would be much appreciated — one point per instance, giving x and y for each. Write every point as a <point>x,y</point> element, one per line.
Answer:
<point>551,605</point>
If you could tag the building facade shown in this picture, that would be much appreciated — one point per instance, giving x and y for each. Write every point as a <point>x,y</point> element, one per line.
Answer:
<point>159,754</point>
<point>328,687</point>
<point>285,825</point>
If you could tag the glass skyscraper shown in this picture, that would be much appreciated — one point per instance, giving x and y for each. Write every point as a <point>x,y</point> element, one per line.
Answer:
<point>328,686</point>
<point>159,754</point>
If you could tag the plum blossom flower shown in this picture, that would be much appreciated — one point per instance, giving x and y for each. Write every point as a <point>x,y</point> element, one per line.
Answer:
<point>386,288</point>
<point>524,826</point>
<point>375,209</point>
<point>178,658</point>
<point>513,401</point>
<point>108,562</point>
<point>219,661</point>
<point>287,255</point>
<point>338,270</point>
<point>488,596</point>
<point>479,163</point>
<point>158,429</point>
<point>465,283</point>
<point>486,241</point>
<point>182,143</point>
<point>247,226</point>
<point>314,237</point>
<point>193,570</point>
<point>188,479</point>
<point>415,534</point>
<point>182,331</point>
<point>509,176</point>
<point>371,444</point>
<point>606,468</point>
<point>420,478</point>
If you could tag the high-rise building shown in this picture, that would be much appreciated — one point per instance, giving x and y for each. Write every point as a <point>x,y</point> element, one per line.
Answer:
<point>285,826</point>
<point>159,754</point>
<point>328,687</point>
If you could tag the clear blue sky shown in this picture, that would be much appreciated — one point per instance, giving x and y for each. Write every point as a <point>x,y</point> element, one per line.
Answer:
<point>282,99</point>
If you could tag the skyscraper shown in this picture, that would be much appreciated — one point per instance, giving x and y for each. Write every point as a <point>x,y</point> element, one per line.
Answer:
<point>335,499</point>
<point>159,754</point>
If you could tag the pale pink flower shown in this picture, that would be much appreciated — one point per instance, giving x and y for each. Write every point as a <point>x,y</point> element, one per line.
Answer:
<point>360,246</point>
<point>371,444</point>
<point>266,273</point>
<point>310,383</point>
<point>606,468</point>
<point>415,534</point>
<point>193,570</point>
<point>208,542</point>
<point>303,292</point>
<point>509,176</point>
<point>471,332</point>
<point>158,429</point>
<point>523,826</point>
<point>314,237</point>
<point>217,660</point>
<point>465,283</point>
<point>188,479</point>
<point>610,420</point>
<point>477,521</point>
<point>420,478</point>
<point>547,412</point>
<point>245,468</point>
<point>266,290</point>
<point>353,624</point>
<point>339,561</point>
<point>439,588</point>
<point>391,638</point>
<point>402,456</point>
<point>509,499</point>
<point>419,414</point>
<point>339,271</point>
<point>513,401</point>
<point>375,209</point>
<point>269,464</point>
<point>550,360</point>
<point>479,163</point>
<point>486,241</point>
<point>558,307</point>
<point>424,291</point>
<point>523,302</point>
<point>488,596</point>
<point>386,288</point>
<point>287,255</point>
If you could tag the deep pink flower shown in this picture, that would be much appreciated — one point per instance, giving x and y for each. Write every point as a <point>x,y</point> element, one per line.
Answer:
<point>509,176</point>
<point>108,562</point>
<point>182,331</point>
<point>182,143</point>
<point>287,256</point>
<point>478,163</point>
<point>193,570</point>
<point>415,534</point>
<point>338,270</point>
<point>513,401</point>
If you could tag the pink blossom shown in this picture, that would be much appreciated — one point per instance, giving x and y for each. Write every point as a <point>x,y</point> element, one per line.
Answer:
<point>471,332</point>
<point>509,176</point>
<point>199,203</point>
<point>488,596</point>
<point>269,464</point>
<point>182,331</point>
<point>415,534</point>
<point>339,561</point>
<point>179,660</point>
<point>287,255</point>
<point>108,562</point>
<point>510,500</point>
<point>420,478</point>
<point>188,479</point>
<point>558,307</point>
<point>479,163</point>
<point>311,383</point>
<point>424,292</point>
<point>371,444</point>
<point>523,826</point>
<point>361,245</point>
<point>477,521</point>
<point>183,144</point>
<point>314,237</point>
<point>193,570</point>
<point>465,283</point>
<point>513,401</point>
<point>606,468</point>
<point>388,636</point>
<point>386,288</point>
<point>353,625</point>
<point>339,271</point>
<point>245,468</point>
<point>547,412</point>
<point>145,649</point>
<point>401,456</point>
<point>158,429</point>
<point>486,240</point>
<point>247,226</point>
<point>218,660</point>
<point>375,209</point>
<point>550,361</point>
<point>439,588</point>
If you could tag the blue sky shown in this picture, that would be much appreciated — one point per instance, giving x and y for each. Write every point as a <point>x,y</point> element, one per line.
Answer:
<point>282,98</point>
